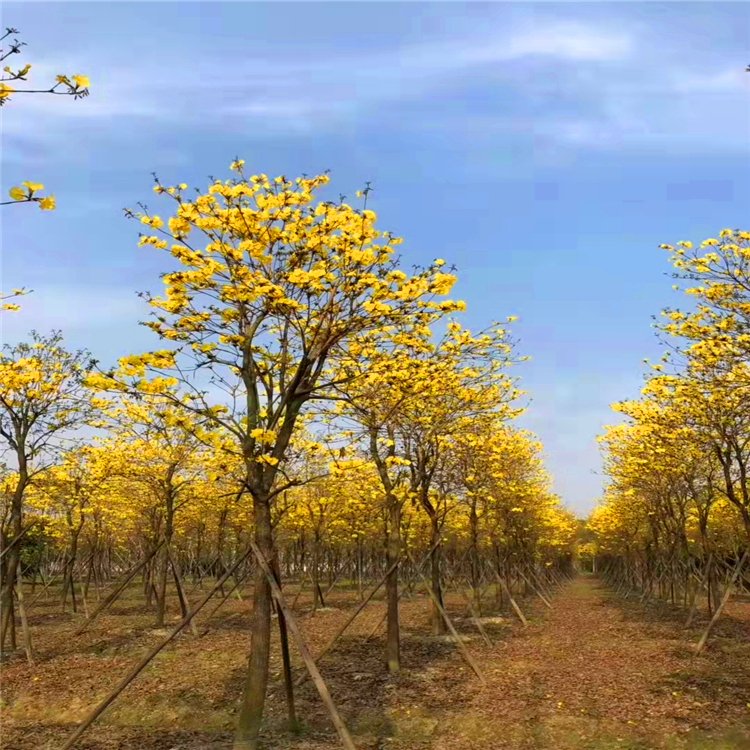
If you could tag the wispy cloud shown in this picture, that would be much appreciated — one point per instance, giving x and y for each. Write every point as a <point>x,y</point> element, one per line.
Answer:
<point>572,84</point>
<point>315,90</point>
<point>571,42</point>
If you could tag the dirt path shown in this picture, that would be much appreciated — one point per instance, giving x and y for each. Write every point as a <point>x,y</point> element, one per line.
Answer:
<point>598,672</point>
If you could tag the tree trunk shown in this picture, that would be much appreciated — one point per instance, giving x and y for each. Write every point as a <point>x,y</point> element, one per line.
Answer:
<point>317,598</point>
<point>163,562</point>
<point>256,681</point>
<point>393,553</point>
<point>360,573</point>
<point>12,562</point>
<point>70,562</point>
<point>436,619</point>
<point>474,560</point>
<point>285,656</point>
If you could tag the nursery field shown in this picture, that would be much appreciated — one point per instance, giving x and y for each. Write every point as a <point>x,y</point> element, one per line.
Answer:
<point>275,477</point>
<point>594,672</point>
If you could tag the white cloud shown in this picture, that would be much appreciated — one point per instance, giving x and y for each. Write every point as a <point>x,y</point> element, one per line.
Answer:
<point>571,42</point>
<point>296,90</point>
<point>572,86</point>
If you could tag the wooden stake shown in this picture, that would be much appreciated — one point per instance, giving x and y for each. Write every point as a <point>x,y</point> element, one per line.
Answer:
<point>699,590</point>
<point>18,538</point>
<point>225,599</point>
<point>184,604</point>
<point>536,590</point>
<point>138,668</point>
<point>513,603</point>
<point>317,678</point>
<point>341,569</point>
<point>113,596</point>
<point>471,609</point>
<point>379,623</point>
<point>724,599</point>
<point>349,620</point>
<point>461,645</point>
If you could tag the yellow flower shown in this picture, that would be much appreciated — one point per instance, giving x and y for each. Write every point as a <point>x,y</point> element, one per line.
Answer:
<point>82,82</point>
<point>236,166</point>
<point>5,91</point>
<point>264,436</point>
<point>152,221</point>
<point>17,193</point>
<point>33,186</point>
<point>48,203</point>
<point>266,459</point>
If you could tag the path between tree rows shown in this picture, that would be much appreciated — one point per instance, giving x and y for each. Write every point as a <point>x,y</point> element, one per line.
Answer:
<point>595,672</point>
<point>600,672</point>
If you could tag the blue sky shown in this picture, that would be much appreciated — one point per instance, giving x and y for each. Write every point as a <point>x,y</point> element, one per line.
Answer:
<point>545,149</point>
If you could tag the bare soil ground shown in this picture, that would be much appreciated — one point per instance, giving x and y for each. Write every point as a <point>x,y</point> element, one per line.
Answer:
<point>593,673</point>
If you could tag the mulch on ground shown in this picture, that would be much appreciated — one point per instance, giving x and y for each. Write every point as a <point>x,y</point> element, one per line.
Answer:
<point>593,673</point>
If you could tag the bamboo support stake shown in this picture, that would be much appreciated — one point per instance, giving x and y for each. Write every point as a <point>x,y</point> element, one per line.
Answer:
<point>379,623</point>
<point>349,620</point>
<point>400,594</point>
<point>475,618</point>
<point>184,603</point>
<point>702,581</point>
<point>317,678</point>
<point>143,663</point>
<point>225,599</point>
<point>17,539</point>
<point>461,645</point>
<point>513,602</point>
<point>339,572</point>
<point>44,591</point>
<point>724,599</point>
<point>113,596</point>
<point>299,591</point>
<point>536,590</point>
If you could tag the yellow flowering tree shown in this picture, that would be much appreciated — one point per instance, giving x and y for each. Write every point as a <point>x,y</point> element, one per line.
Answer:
<point>163,458</point>
<point>410,398</point>
<point>717,330</point>
<point>679,466</point>
<point>42,399</point>
<point>272,284</point>
<point>68,494</point>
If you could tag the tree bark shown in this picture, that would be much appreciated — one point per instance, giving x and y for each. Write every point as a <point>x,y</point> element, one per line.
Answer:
<point>438,605</point>
<point>256,681</point>
<point>163,564</point>
<point>474,558</point>
<point>393,553</point>
<point>12,562</point>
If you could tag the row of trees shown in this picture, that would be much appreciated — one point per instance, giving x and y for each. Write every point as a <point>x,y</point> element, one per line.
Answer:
<point>312,399</point>
<point>676,517</point>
